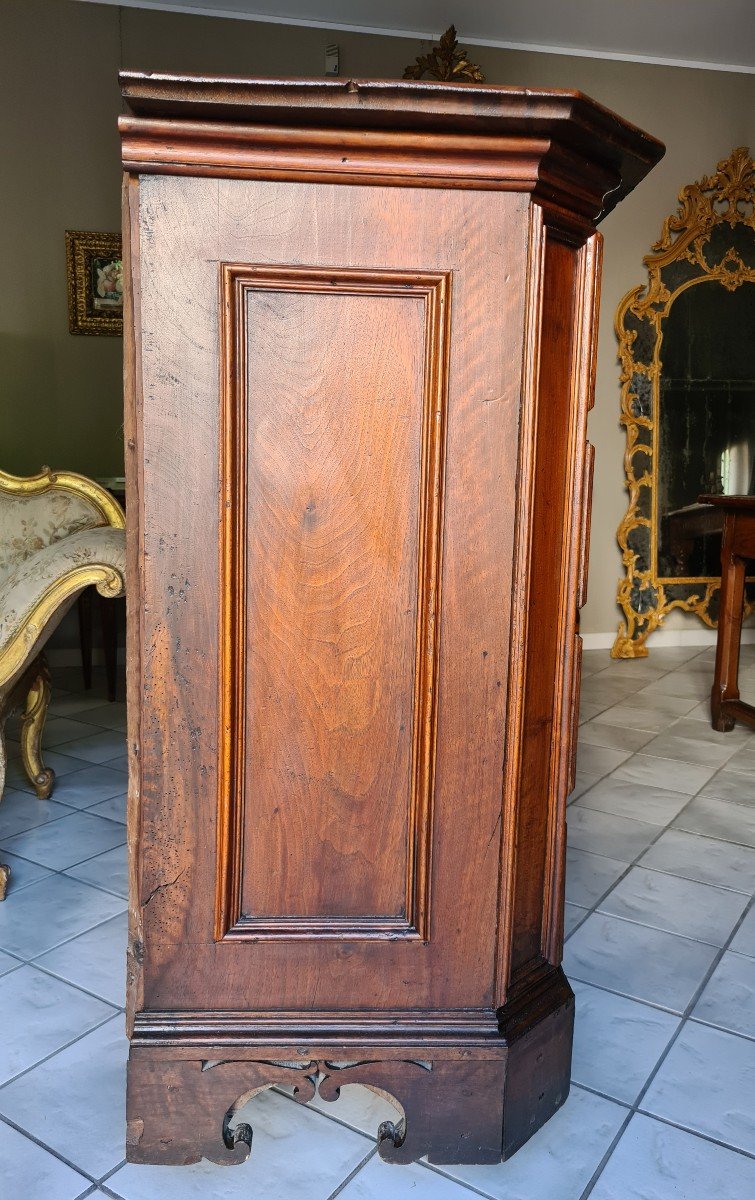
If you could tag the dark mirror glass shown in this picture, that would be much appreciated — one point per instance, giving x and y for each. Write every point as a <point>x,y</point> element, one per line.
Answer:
<point>706,422</point>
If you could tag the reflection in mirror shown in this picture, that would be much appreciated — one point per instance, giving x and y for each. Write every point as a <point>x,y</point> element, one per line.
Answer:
<point>706,423</point>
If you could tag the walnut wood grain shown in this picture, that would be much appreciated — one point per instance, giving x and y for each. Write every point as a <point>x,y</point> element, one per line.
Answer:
<point>358,496</point>
<point>182,745</point>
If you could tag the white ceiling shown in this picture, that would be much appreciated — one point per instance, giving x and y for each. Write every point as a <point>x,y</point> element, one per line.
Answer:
<point>718,34</point>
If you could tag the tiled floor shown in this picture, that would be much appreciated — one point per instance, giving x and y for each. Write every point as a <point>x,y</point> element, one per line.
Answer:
<point>661,954</point>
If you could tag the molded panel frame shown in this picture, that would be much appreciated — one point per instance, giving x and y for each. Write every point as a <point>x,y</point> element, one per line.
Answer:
<point>237,280</point>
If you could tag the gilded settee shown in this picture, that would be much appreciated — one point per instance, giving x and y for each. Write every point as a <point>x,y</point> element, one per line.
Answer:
<point>59,534</point>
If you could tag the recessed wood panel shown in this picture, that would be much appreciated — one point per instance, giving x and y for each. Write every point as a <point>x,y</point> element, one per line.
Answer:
<point>333,471</point>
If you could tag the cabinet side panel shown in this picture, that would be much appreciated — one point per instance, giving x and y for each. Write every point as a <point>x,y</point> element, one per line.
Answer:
<point>190,228</point>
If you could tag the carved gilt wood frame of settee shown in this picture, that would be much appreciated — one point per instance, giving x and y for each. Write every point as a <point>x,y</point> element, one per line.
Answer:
<point>69,538</point>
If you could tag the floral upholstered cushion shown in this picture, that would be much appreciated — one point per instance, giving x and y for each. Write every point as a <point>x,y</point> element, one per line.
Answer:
<point>29,523</point>
<point>23,586</point>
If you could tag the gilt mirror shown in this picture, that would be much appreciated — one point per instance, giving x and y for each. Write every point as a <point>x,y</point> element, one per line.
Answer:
<point>687,354</point>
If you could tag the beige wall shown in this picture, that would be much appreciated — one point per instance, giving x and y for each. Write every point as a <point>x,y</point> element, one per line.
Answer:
<point>60,397</point>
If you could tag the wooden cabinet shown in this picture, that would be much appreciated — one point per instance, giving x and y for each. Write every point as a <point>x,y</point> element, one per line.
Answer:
<point>359,362</point>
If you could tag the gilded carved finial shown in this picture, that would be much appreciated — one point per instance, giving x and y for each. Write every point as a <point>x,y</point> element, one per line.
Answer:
<point>446,61</point>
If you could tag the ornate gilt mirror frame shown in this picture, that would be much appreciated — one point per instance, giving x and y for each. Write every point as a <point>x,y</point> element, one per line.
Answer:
<point>711,237</point>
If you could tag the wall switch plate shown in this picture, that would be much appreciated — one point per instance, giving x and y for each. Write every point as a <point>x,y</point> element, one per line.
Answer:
<point>331,59</point>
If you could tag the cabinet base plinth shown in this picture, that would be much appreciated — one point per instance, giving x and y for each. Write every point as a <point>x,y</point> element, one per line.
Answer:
<point>538,1031</point>
<point>183,1110</point>
<point>475,1104</point>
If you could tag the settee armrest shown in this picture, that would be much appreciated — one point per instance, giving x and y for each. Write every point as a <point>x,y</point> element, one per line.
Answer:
<point>35,596</point>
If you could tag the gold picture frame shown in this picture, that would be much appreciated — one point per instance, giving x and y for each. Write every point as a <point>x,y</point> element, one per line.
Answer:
<point>95,283</point>
<point>710,238</point>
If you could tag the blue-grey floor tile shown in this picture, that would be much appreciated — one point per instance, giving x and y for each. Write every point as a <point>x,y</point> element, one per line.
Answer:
<point>736,739</point>
<point>706,1083</point>
<point>94,961</point>
<point>639,802</point>
<point>61,764</point>
<point>651,717</point>
<point>603,833</point>
<point>719,819</point>
<point>588,711</point>
<point>8,963</point>
<point>34,1173</point>
<point>378,1180</point>
<point>75,1102</point>
<point>729,996</point>
<point>665,773</point>
<point>743,761</point>
<point>582,784</point>
<point>23,872</point>
<point>655,1161</point>
<point>70,704</point>
<point>617,1041</point>
<point>20,811</point>
<point>108,716</point>
<point>296,1152</point>
<point>599,760</point>
<point>703,859</point>
<point>71,840</point>
<point>97,747</point>
<point>50,912</point>
<point>358,1107</point>
<point>113,809</point>
<point>573,914</point>
<point>679,685</point>
<point>694,910</point>
<point>108,871</point>
<point>733,786</point>
<point>589,876</point>
<point>606,689</point>
<point>623,737</point>
<point>643,963</point>
<point>744,939</point>
<point>59,730</point>
<point>669,745</point>
<point>91,785</point>
<point>558,1162</point>
<point>41,1015</point>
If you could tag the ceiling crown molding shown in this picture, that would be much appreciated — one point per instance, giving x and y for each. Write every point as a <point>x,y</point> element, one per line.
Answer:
<point>430,35</point>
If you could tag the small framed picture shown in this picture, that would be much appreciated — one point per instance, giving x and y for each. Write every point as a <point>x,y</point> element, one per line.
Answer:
<point>95,283</point>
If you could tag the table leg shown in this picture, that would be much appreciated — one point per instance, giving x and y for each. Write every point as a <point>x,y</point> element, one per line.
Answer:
<point>85,634</point>
<point>730,611</point>
<point>109,643</point>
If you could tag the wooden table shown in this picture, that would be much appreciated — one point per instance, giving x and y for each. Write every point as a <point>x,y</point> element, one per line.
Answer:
<point>107,614</point>
<point>737,547</point>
